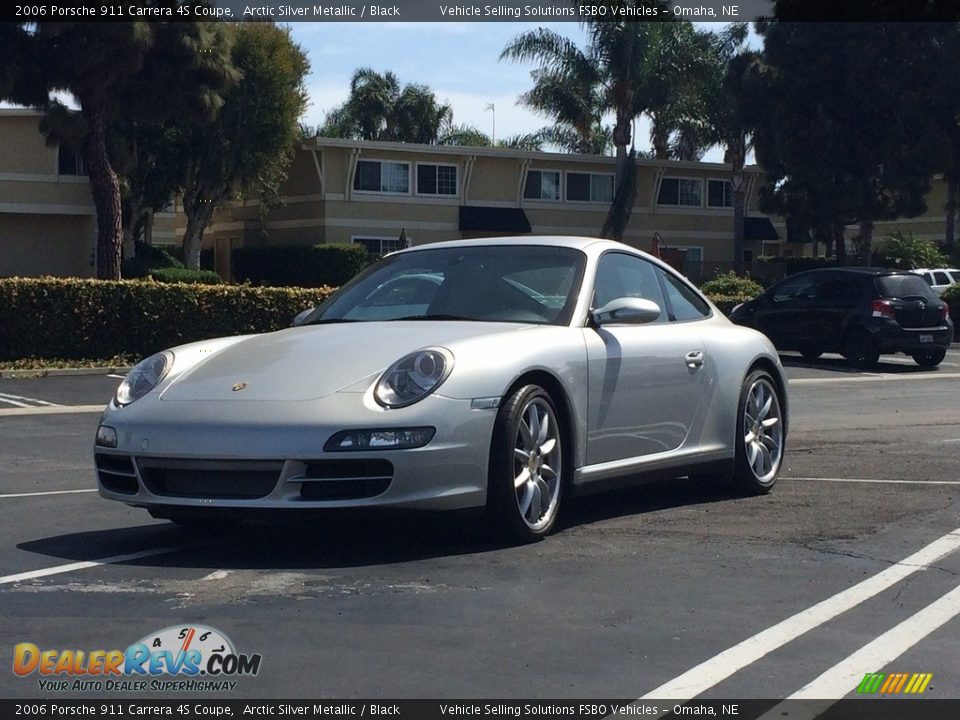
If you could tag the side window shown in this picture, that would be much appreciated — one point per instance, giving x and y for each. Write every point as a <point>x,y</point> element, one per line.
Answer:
<point>839,289</point>
<point>685,304</point>
<point>800,287</point>
<point>940,278</point>
<point>620,275</point>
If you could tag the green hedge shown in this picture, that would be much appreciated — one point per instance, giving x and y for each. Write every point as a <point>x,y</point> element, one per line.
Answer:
<point>52,318</point>
<point>726,303</point>
<point>184,275</point>
<point>730,284</point>
<point>71,318</point>
<point>147,259</point>
<point>299,265</point>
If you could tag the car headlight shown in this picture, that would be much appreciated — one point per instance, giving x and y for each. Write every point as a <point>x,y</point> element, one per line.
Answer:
<point>413,377</point>
<point>144,377</point>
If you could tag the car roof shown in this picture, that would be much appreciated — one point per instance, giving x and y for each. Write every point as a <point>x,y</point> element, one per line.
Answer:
<point>590,245</point>
<point>860,270</point>
<point>938,269</point>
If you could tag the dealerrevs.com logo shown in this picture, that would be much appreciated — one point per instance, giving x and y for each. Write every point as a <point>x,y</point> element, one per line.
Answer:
<point>200,658</point>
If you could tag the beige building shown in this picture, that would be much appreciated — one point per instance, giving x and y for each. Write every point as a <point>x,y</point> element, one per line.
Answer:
<point>373,193</point>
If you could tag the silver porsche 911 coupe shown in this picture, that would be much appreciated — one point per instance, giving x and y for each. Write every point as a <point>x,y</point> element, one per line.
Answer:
<point>507,373</point>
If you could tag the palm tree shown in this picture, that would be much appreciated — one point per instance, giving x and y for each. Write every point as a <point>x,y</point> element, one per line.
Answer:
<point>380,108</point>
<point>627,69</point>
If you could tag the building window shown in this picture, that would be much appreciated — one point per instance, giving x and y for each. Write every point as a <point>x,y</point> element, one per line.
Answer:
<point>70,161</point>
<point>379,246</point>
<point>436,179</point>
<point>681,192</point>
<point>542,185</point>
<point>589,187</point>
<point>719,194</point>
<point>381,176</point>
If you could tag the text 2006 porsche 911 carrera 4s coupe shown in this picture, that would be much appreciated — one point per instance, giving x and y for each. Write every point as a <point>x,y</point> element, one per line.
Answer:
<point>507,373</point>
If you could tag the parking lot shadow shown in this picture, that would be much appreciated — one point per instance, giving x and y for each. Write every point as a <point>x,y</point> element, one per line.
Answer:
<point>351,539</point>
<point>836,363</point>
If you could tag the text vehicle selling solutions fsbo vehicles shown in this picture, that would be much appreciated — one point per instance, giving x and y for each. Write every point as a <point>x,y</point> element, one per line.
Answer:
<point>507,373</point>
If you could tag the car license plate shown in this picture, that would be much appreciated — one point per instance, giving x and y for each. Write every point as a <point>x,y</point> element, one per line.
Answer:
<point>926,338</point>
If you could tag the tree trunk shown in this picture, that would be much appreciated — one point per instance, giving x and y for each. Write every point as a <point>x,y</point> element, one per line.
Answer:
<point>739,183</point>
<point>953,187</point>
<point>866,240</point>
<point>660,140</point>
<point>105,188</point>
<point>198,215</point>
<point>840,245</point>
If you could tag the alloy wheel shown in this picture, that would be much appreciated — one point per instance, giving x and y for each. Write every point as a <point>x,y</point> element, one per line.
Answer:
<point>537,458</point>
<point>763,431</point>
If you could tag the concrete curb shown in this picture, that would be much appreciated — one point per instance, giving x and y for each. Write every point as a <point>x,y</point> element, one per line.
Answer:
<point>55,372</point>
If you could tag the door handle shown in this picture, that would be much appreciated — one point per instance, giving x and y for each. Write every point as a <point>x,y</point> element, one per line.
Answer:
<point>694,359</point>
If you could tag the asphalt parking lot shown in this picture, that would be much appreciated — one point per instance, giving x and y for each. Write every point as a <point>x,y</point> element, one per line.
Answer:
<point>673,590</point>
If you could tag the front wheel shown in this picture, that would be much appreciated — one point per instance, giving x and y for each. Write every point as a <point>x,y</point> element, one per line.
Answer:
<point>929,358</point>
<point>760,434</point>
<point>526,478</point>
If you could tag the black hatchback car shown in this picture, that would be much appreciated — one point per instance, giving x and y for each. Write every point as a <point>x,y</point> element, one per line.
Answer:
<point>859,312</point>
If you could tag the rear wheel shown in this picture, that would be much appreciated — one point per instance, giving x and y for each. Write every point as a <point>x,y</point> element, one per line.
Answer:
<point>929,358</point>
<point>860,350</point>
<point>760,434</point>
<point>526,479</point>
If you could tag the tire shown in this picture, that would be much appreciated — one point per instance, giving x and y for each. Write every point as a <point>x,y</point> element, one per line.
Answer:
<point>526,466</point>
<point>760,434</point>
<point>929,358</point>
<point>860,350</point>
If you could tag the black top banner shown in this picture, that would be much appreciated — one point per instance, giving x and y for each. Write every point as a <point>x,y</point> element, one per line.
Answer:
<point>532,11</point>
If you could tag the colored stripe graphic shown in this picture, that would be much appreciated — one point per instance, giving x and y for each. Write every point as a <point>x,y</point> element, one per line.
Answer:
<point>894,683</point>
<point>871,683</point>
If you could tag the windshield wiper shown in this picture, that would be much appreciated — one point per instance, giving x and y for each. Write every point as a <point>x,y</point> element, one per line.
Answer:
<point>330,321</point>
<point>433,317</point>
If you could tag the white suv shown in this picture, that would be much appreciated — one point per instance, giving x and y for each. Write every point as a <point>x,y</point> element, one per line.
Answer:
<point>939,278</point>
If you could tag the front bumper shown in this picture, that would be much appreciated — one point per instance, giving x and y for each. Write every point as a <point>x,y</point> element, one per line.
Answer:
<point>269,455</point>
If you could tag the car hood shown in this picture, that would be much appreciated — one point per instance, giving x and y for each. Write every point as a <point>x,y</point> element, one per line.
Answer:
<point>310,362</point>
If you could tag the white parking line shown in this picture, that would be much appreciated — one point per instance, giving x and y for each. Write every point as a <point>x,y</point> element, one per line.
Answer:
<point>13,402</point>
<point>704,676</point>
<point>843,677</point>
<point>55,410</point>
<point>879,482</point>
<point>8,397</point>
<point>897,377</point>
<point>58,569</point>
<point>47,492</point>
<point>840,680</point>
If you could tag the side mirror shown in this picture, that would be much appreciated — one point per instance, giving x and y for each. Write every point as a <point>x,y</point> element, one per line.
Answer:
<point>301,316</point>
<point>626,310</point>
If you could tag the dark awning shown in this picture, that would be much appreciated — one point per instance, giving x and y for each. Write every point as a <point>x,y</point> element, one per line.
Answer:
<point>475,218</point>
<point>759,228</point>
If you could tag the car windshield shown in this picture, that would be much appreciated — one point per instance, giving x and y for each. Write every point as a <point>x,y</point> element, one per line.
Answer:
<point>493,283</point>
<point>907,285</point>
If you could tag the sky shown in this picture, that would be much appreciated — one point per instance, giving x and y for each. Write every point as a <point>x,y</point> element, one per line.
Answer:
<point>459,61</point>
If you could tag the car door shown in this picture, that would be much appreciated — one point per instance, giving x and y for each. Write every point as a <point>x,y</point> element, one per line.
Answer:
<point>838,296</point>
<point>645,383</point>
<point>783,312</point>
